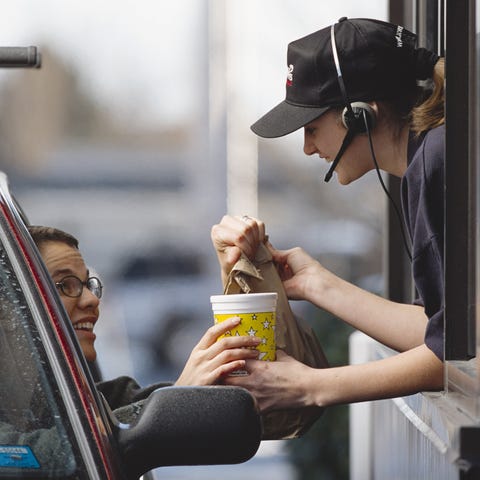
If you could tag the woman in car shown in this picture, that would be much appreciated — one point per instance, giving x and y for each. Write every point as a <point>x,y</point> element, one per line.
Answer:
<point>80,292</point>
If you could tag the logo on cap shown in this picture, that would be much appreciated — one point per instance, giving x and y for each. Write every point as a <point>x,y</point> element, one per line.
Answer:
<point>290,76</point>
<point>398,36</point>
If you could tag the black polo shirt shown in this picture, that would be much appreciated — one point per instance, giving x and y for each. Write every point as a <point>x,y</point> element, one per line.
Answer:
<point>423,197</point>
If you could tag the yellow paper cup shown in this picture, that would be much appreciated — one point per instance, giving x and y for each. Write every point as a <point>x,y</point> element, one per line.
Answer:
<point>258,314</point>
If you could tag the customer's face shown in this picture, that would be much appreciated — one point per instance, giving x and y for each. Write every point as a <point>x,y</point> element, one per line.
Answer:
<point>62,260</point>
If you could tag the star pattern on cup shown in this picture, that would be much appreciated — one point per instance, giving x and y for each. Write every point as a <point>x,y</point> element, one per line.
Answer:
<point>251,332</point>
<point>255,323</point>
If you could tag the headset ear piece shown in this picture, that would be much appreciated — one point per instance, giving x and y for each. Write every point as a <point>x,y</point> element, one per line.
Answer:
<point>356,122</point>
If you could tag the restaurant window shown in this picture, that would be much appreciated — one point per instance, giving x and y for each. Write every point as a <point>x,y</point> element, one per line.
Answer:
<point>462,187</point>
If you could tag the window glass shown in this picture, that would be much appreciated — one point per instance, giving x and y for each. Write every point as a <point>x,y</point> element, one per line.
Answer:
<point>35,440</point>
<point>477,168</point>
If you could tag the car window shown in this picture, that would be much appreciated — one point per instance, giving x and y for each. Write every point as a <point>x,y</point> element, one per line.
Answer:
<point>35,436</point>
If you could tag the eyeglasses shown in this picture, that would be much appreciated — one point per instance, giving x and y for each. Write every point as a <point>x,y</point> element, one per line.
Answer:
<point>72,286</point>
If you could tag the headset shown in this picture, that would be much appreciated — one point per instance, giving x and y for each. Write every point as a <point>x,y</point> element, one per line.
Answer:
<point>359,118</point>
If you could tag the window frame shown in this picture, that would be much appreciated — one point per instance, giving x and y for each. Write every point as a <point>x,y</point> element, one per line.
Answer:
<point>460,251</point>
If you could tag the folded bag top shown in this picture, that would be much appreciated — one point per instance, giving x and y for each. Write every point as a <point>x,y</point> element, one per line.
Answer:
<point>292,335</point>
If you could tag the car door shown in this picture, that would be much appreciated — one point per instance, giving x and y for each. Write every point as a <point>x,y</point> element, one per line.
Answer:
<point>53,422</point>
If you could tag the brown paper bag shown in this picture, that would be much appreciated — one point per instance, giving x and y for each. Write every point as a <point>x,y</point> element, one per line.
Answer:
<point>292,335</point>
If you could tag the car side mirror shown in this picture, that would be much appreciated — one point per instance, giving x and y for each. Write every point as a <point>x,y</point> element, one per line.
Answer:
<point>191,426</point>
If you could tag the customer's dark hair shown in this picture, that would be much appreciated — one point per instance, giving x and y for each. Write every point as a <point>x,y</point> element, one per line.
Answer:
<point>42,234</point>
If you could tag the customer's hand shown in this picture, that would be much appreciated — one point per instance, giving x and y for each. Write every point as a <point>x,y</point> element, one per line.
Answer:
<point>211,360</point>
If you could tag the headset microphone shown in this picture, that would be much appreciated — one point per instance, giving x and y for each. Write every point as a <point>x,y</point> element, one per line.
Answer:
<point>355,118</point>
<point>346,142</point>
<point>355,115</point>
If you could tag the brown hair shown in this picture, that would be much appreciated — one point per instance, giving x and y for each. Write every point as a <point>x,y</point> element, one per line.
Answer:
<point>430,113</point>
<point>421,109</point>
<point>41,234</point>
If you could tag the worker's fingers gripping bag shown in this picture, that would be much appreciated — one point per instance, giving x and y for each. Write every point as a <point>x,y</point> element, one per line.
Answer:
<point>292,335</point>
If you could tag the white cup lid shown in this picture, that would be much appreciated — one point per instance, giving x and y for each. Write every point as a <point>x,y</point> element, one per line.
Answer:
<point>257,302</point>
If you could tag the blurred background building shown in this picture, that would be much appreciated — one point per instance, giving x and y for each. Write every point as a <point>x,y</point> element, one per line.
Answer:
<point>134,136</point>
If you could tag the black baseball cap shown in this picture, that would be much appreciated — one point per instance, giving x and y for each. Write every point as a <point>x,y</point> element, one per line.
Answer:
<point>377,62</point>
